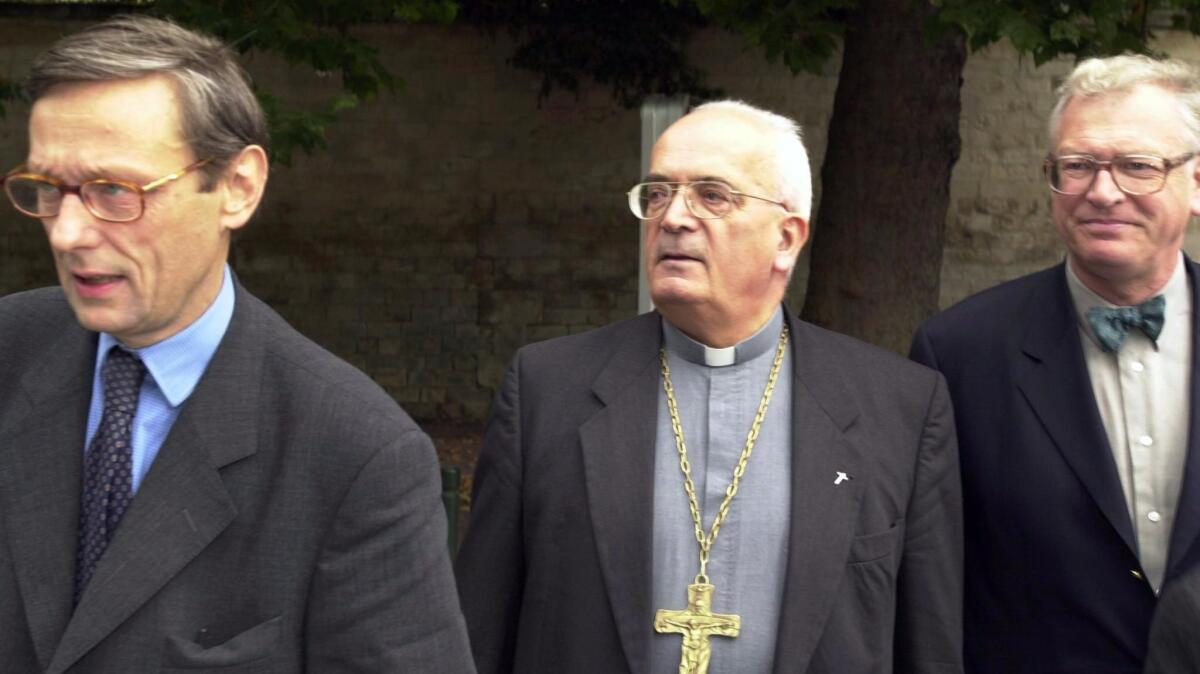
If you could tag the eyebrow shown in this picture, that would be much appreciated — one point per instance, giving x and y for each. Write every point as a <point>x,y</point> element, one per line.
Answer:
<point>86,173</point>
<point>1094,155</point>
<point>659,178</point>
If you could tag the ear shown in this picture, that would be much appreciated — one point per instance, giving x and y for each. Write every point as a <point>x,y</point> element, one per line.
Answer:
<point>793,234</point>
<point>242,185</point>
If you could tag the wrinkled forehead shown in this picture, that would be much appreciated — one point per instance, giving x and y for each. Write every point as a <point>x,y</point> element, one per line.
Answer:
<point>716,144</point>
<point>96,122</point>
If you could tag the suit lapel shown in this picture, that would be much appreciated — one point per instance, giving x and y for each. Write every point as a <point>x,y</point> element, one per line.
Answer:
<point>618,460</point>
<point>822,513</point>
<point>1183,550</point>
<point>43,479</point>
<point>1052,375</point>
<point>182,505</point>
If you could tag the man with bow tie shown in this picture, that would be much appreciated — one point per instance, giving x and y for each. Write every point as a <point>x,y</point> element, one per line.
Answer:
<point>1074,387</point>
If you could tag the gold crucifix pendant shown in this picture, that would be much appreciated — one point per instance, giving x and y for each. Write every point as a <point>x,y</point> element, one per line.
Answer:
<point>697,623</point>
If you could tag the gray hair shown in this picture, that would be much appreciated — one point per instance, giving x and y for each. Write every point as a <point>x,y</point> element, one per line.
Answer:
<point>220,114</point>
<point>791,159</point>
<point>1121,74</point>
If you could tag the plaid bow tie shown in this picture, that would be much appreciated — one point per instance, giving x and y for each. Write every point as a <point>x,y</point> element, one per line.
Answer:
<point>1112,324</point>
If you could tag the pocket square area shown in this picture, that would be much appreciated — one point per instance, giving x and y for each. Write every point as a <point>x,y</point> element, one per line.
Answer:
<point>249,645</point>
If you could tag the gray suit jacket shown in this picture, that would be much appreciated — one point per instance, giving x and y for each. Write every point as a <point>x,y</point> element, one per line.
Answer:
<point>555,571</point>
<point>291,521</point>
<point>1174,646</point>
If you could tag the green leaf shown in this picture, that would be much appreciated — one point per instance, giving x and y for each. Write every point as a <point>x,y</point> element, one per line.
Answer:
<point>313,33</point>
<point>9,92</point>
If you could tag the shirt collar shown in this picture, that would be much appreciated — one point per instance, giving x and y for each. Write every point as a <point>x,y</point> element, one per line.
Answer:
<point>177,363</point>
<point>750,348</point>
<point>1084,298</point>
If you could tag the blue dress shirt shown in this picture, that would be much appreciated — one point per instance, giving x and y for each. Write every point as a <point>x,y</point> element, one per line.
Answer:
<point>174,366</point>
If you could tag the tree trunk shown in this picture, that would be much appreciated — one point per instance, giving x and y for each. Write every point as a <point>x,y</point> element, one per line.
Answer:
<point>893,140</point>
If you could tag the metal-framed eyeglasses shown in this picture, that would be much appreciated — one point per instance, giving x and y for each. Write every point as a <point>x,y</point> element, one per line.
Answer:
<point>705,199</point>
<point>41,196</point>
<point>1133,174</point>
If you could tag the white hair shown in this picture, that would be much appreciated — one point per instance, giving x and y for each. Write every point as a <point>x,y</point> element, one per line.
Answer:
<point>791,159</point>
<point>1121,74</point>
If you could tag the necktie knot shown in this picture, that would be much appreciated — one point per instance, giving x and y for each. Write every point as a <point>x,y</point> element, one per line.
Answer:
<point>122,375</point>
<point>1112,324</point>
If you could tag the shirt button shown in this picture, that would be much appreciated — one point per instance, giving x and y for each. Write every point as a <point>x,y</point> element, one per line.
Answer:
<point>1153,516</point>
<point>1136,366</point>
<point>1146,441</point>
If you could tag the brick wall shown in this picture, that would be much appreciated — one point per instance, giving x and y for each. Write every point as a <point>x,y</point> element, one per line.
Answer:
<point>460,219</point>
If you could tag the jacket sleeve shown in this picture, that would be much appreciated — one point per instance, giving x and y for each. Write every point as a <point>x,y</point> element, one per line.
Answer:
<point>491,562</point>
<point>382,598</point>
<point>921,349</point>
<point>930,586</point>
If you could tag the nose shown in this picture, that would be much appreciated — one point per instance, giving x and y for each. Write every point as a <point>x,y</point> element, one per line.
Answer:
<point>678,215</point>
<point>73,228</point>
<point>1103,192</point>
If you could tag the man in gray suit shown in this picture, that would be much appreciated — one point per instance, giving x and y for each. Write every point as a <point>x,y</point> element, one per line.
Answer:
<point>615,458</point>
<point>186,483</point>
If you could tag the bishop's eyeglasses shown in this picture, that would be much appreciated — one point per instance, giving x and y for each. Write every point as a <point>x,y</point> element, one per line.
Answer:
<point>705,199</point>
<point>41,196</point>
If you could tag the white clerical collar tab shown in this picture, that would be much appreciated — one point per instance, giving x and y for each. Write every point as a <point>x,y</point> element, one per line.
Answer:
<point>760,344</point>
<point>720,357</point>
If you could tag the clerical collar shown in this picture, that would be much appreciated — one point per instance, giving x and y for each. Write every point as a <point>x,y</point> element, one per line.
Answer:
<point>748,349</point>
<point>1175,291</point>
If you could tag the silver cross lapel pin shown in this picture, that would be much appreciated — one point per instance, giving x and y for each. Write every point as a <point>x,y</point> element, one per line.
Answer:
<point>841,477</point>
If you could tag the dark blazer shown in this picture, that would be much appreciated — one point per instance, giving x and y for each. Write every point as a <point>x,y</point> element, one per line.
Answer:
<point>1053,582</point>
<point>555,571</point>
<point>290,523</point>
<point>1175,632</point>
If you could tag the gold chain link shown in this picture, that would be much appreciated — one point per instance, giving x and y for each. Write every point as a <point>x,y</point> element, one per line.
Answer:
<point>706,542</point>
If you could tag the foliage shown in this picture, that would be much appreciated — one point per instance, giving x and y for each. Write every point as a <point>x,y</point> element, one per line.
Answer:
<point>1081,28</point>
<point>801,34</point>
<point>635,47</point>
<point>313,33</point>
<point>638,48</point>
<point>8,92</point>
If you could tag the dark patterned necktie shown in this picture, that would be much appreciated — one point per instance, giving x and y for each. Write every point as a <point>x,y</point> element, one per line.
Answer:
<point>108,464</point>
<point>1111,324</point>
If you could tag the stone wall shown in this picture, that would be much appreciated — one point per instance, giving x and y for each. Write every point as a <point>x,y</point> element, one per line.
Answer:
<point>449,224</point>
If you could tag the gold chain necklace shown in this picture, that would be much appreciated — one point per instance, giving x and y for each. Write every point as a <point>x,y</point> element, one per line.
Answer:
<point>697,622</point>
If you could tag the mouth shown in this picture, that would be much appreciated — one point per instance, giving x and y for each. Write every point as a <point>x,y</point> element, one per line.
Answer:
<point>1104,228</point>
<point>96,279</point>
<point>91,284</point>
<point>1104,222</point>
<point>677,257</point>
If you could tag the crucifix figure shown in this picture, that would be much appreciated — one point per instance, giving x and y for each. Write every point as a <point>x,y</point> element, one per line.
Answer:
<point>697,623</point>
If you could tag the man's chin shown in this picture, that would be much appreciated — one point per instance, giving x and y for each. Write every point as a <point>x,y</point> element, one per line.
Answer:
<point>99,319</point>
<point>675,295</point>
<point>1108,256</point>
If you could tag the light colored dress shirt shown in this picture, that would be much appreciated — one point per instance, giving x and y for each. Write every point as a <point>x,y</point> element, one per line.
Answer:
<point>718,392</point>
<point>1142,393</point>
<point>173,368</point>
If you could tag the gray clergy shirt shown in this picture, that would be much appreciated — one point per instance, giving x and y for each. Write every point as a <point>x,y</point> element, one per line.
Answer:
<point>718,392</point>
